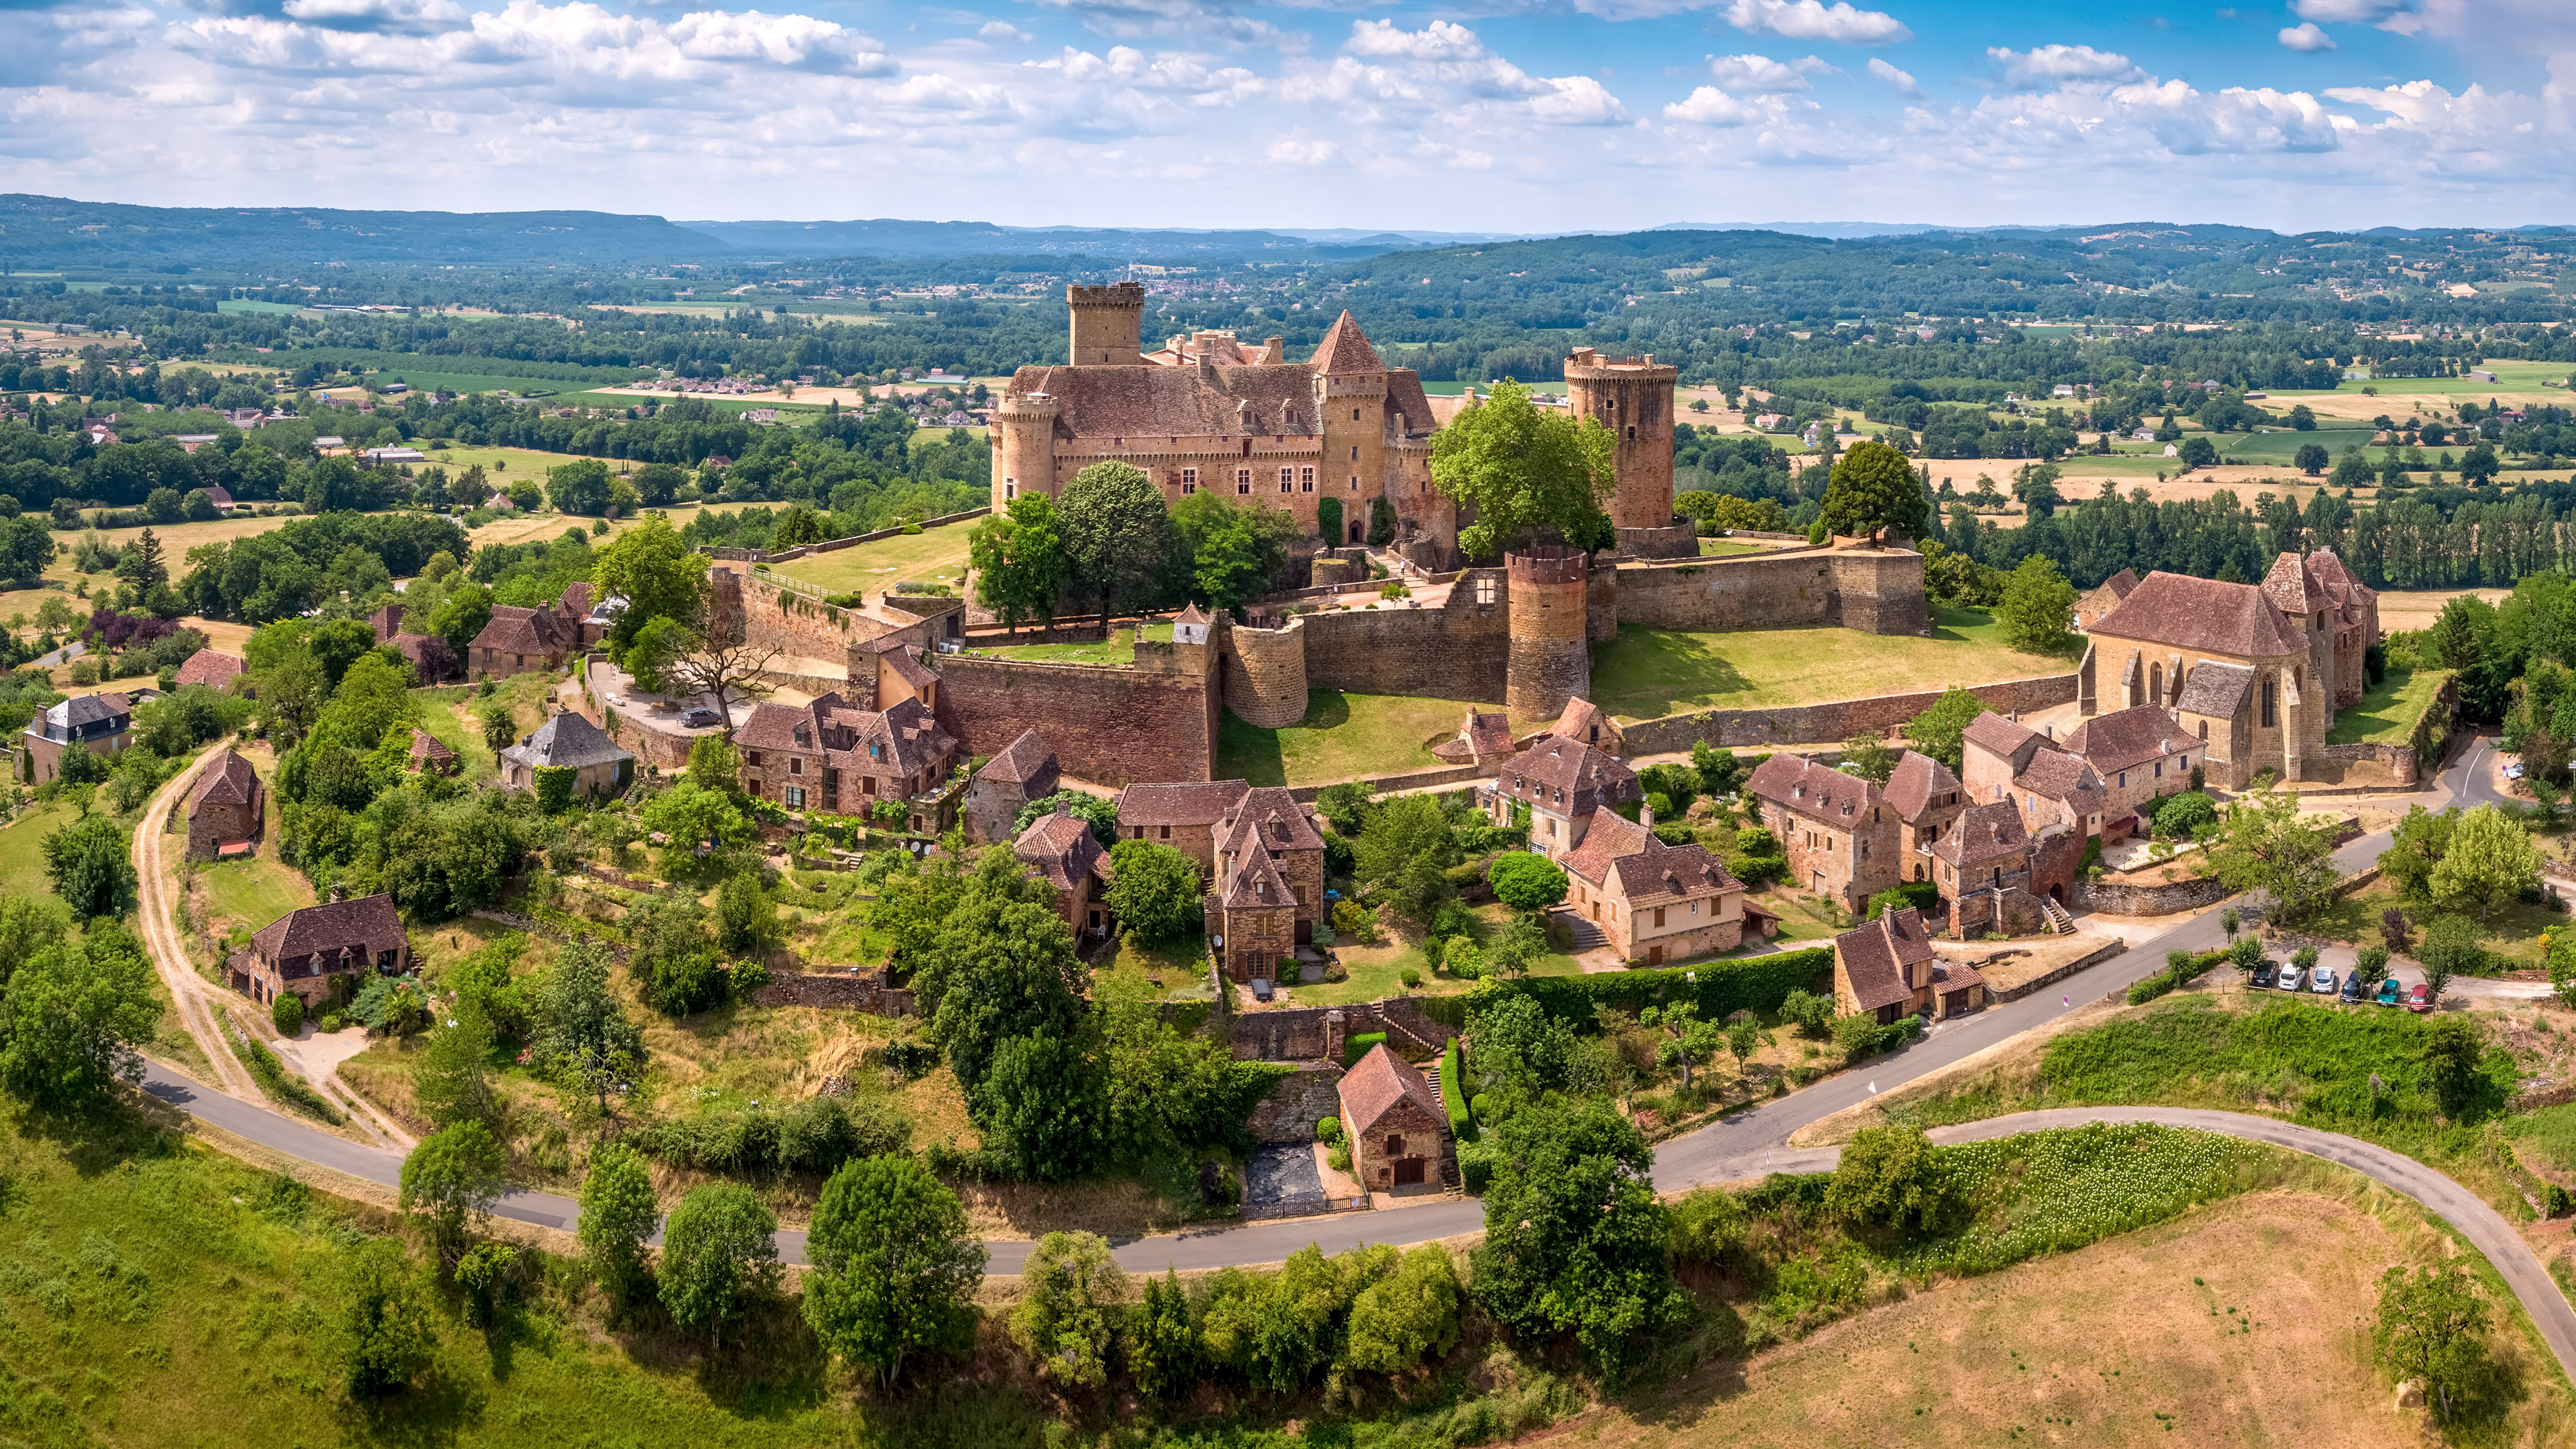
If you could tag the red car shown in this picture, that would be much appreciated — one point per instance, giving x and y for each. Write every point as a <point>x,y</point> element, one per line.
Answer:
<point>2420,999</point>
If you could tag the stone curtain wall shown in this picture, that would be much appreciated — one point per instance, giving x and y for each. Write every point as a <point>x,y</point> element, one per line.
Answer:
<point>2187,894</point>
<point>1108,725</point>
<point>1875,591</point>
<point>805,627</point>
<point>1835,720</point>
<point>1454,652</point>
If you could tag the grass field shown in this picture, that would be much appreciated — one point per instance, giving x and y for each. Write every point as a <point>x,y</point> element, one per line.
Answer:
<point>2386,712</point>
<point>1729,547</point>
<point>22,843</point>
<point>1343,735</point>
<point>1648,673</point>
<point>932,555</point>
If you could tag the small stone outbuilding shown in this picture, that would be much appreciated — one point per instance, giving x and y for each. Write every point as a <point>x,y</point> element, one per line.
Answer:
<point>1025,770</point>
<point>226,809</point>
<point>1398,1131</point>
<point>571,741</point>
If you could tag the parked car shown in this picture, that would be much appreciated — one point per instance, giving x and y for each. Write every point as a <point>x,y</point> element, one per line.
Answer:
<point>2292,978</point>
<point>2420,999</point>
<point>2323,981</point>
<point>2390,992</point>
<point>2513,772</point>
<point>2353,990</point>
<point>700,718</point>
<point>2265,974</point>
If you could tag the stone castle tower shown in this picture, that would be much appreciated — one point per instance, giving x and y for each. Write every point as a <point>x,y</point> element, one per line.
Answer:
<point>1549,658</point>
<point>1633,398</point>
<point>1108,324</point>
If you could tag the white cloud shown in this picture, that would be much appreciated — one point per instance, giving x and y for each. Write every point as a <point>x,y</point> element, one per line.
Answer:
<point>1298,149</point>
<point>788,40</point>
<point>1190,20</point>
<point>1003,31</point>
<point>2347,12</point>
<point>1577,100</point>
<point>2306,36</point>
<point>1812,20</point>
<point>1902,81</point>
<point>2053,65</point>
<point>374,14</point>
<point>1762,73</point>
<point>1709,106</point>
<point>1441,40</point>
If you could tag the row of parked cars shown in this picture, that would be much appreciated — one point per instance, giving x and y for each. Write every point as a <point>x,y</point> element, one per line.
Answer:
<point>2321,981</point>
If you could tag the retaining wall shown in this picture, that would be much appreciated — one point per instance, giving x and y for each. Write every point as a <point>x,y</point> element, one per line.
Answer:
<point>2109,949</point>
<point>829,545</point>
<point>1833,720</point>
<point>865,991</point>
<point>1108,725</point>
<point>2160,899</point>
<point>1289,1112</point>
<point>1308,1034</point>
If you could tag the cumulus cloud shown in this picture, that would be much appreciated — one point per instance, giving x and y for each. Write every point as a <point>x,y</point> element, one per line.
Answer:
<point>2348,12</point>
<point>1577,100</point>
<point>1812,20</point>
<point>2306,36</point>
<point>1298,149</point>
<point>1762,73</point>
<point>787,40</point>
<point>1902,81</point>
<point>1443,40</point>
<point>377,14</point>
<point>1001,31</point>
<point>1190,20</point>
<point>1709,106</point>
<point>2055,65</point>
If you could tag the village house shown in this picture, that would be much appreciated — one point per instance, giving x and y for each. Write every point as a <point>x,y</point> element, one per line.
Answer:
<point>1562,783</point>
<point>827,756</point>
<point>1061,850</point>
<point>2097,604</point>
<point>1887,969</point>
<point>1270,882</point>
<point>1836,830</point>
<point>516,640</point>
<point>1182,816</point>
<point>1995,875</point>
<point>429,757</point>
<point>207,667</point>
<point>1395,1123</point>
<point>2142,755</point>
<point>1655,902</point>
<point>1483,739</point>
<point>1024,771</point>
<point>1926,798</point>
<point>103,724</point>
<point>568,741</point>
<point>226,809</point>
<point>2002,760</point>
<point>312,951</point>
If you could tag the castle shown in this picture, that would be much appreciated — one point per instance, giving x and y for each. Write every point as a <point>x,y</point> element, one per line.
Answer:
<point>1209,412</point>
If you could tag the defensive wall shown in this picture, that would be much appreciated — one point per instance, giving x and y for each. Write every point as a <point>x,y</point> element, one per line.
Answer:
<point>831,545</point>
<point>1840,719</point>
<point>1875,591</point>
<point>1108,724</point>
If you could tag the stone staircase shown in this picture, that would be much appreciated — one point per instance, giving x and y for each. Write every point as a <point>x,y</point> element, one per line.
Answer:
<point>1449,1174</point>
<point>1581,933</point>
<point>2058,920</point>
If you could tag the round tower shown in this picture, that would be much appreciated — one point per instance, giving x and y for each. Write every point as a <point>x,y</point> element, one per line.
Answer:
<point>1265,677</point>
<point>1549,661</point>
<point>1023,446</point>
<point>1633,398</point>
<point>1108,324</point>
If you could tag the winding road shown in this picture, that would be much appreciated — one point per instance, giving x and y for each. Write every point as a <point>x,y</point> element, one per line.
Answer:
<point>1746,1144</point>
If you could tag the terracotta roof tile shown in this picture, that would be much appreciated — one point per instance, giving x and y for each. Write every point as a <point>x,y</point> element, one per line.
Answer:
<point>2205,614</point>
<point>1024,761</point>
<point>1918,780</point>
<point>1062,850</point>
<point>1202,803</point>
<point>1876,957</point>
<point>369,924</point>
<point>1345,349</point>
<point>1983,833</point>
<point>2215,688</point>
<point>1999,737</point>
<point>1819,792</point>
<point>206,667</point>
<point>2124,739</point>
<point>2292,589</point>
<point>514,630</point>
<point>229,781</point>
<point>1377,1082</point>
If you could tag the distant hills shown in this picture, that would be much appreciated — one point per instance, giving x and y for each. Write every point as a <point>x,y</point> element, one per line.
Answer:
<point>931,239</point>
<point>42,232</point>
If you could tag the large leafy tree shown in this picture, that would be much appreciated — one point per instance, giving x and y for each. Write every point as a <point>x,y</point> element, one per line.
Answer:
<point>2432,1327</point>
<point>1001,966</point>
<point>2264,845</point>
<point>90,867</point>
<point>896,1269</point>
<point>656,573</point>
<point>1019,560</point>
<point>2038,606</point>
<point>75,1017</point>
<point>1156,890</point>
<point>1527,472</point>
<point>1574,1234</point>
<point>1234,551</point>
<point>1873,490</point>
<point>577,1024</point>
<point>1118,536</point>
<point>1937,731</point>
<point>618,1215</point>
<point>384,1334</point>
<point>720,1246</point>
<point>580,486</point>
<point>2490,860</point>
<point>449,1183</point>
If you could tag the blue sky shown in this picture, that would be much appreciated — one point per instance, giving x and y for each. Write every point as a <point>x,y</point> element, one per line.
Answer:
<point>1509,115</point>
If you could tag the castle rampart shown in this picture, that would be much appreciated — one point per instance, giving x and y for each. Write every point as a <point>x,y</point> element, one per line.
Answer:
<point>1108,725</point>
<point>1265,674</point>
<point>1550,660</point>
<point>1633,398</point>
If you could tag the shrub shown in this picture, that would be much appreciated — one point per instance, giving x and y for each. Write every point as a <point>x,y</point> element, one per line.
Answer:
<point>2371,964</point>
<point>1328,1130</point>
<point>1809,1012</point>
<point>1411,978</point>
<point>334,1021</point>
<point>287,1014</point>
<point>1860,1035</point>
<point>2246,952</point>
<point>2151,988</point>
<point>2177,816</point>
<point>2396,929</point>
<point>1453,1092</point>
<point>1354,1048</point>
<point>1717,989</point>
<point>1920,894</point>
<point>2305,958</point>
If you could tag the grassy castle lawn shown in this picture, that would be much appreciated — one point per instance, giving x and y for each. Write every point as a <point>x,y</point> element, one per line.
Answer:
<point>1648,673</point>
<point>1342,736</point>
<point>933,554</point>
<point>2386,712</point>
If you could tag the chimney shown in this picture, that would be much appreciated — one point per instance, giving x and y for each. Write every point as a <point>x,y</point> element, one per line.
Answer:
<point>1646,816</point>
<point>339,892</point>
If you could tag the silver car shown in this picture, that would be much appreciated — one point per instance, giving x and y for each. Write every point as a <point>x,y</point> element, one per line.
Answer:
<point>2293,979</point>
<point>2325,982</point>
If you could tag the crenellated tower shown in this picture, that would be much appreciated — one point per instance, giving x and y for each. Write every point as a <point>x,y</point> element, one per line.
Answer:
<point>1108,324</point>
<point>1633,398</point>
<point>1549,659</point>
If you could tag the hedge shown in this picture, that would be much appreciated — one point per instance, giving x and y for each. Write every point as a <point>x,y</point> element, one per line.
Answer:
<point>1922,895</point>
<point>1453,1093</point>
<point>1720,988</point>
<point>1354,1048</point>
<point>2169,979</point>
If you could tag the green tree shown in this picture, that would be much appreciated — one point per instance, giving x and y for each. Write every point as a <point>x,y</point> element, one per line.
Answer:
<point>896,1268</point>
<point>2313,459</point>
<point>1407,1317</point>
<point>2450,948</point>
<point>693,815</point>
<point>75,1016</point>
<point>658,575</point>
<point>91,868</point>
<point>580,486</point>
<point>577,1025</point>
<point>2198,453</point>
<point>721,1244</point>
<point>618,1216</point>
<point>715,764</point>
<point>1045,1099</point>
<point>449,1183</point>
<point>1019,560</point>
<point>1527,472</point>
<point>676,966</point>
<point>746,918</point>
<point>1098,811</point>
<point>1891,1177</point>
<point>2432,1327</point>
<point>1526,882</point>
<point>2490,860</point>
<point>2038,606</point>
<point>1873,490</point>
<point>1155,890</point>
<point>2264,845</point>
<point>2416,848</point>
<point>1000,966</point>
<point>1869,757</point>
<point>500,730</point>
<point>2453,1050</point>
<point>1235,551</point>
<point>384,1332</point>
<point>1073,1297</point>
<point>1118,536</point>
<point>1938,729</point>
<point>454,1080</point>
<point>26,548</point>
<point>1574,1233</point>
<point>458,618</point>
<point>1162,1342</point>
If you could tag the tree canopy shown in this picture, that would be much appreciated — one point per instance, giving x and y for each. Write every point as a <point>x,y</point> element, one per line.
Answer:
<point>1873,489</point>
<point>1528,472</point>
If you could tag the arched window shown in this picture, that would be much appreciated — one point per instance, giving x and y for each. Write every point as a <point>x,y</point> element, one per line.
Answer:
<point>2155,683</point>
<point>2269,718</point>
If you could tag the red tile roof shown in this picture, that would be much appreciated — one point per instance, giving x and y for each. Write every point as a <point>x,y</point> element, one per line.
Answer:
<point>1878,958</point>
<point>2124,739</point>
<point>1482,737</point>
<point>1270,817</point>
<point>1372,1087</point>
<point>2204,614</point>
<point>1023,761</point>
<point>2292,589</point>
<point>1983,833</point>
<point>1061,850</point>
<point>228,781</point>
<point>1202,803</point>
<point>368,924</point>
<point>1345,349</point>
<point>515,630</point>
<point>1568,776</point>
<point>1816,791</point>
<point>1919,780</point>
<point>1624,859</point>
<point>206,667</point>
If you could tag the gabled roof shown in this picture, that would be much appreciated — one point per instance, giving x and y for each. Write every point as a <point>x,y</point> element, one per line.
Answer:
<point>1877,957</point>
<point>1061,850</point>
<point>2053,774</point>
<point>1622,858</point>
<point>1372,1087</point>
<point>2205,614</point>
<point>514,630</point>
<point>211,669</point>
<point>1267,817</point>
<point>228,781</point>
<point>774,726</point>
<point>1816,791</point>
<point>566,740</point>
<point>1571,766</point>
<point>2127,738</point>
<point>907,666</point>
<point>2121,584</point>
<point>2215,688</point>
<point>2000,737</point>
<point>1187,803</point>
<point>1583,720</point>
<point>1918,780</point>
<point>1024,761</point>
<point>1481,737</point>
<point>1253,882</point>
<point>1982,833</point>
<point>575,600</point>
<point>1345,349</point>
<point>90,711</point>
<point>368,924</point>
<point>426,749</point>
<point>2338,581</point>
<point>2292,589</point>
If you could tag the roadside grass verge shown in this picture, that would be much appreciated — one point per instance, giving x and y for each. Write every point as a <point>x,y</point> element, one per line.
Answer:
<point>274,1079</point>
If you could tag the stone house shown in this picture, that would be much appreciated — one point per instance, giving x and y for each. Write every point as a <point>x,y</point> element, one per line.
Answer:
<point>2097,604</point>
<point>569,741</point>
<point>900,674</point>
<point>827,756</point>
<point>226,809</point>
<point>2142,754</point>
<point>431,663</point>
<point>1270,882</point>
<point>428,756</point>
<point>517,640</point>
<point>310,951</point>
<point>2001,760</point>
<point>1182,816</point>
<point>1025,770</point>
<point>1888,969</point>
<point>1836,830</point>
<point>1395,1123</point>
<point>1062,851</point>
<point>1564,783</point>
<point>1483,740</point>
<point>102,723</point>
<point>1654,902</point>
<point>214,670</point>
<point>1926,798</point>
<point>1995,875</point>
